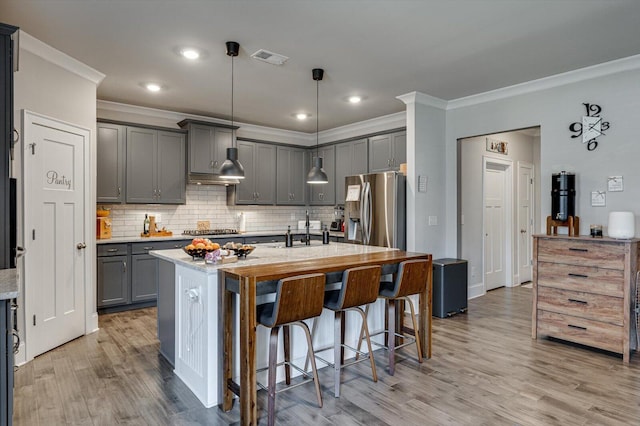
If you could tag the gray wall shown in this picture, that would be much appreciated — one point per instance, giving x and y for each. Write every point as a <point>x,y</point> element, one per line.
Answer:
<point>45,88</point>
<point>472,151</point>
<point>554,109</point>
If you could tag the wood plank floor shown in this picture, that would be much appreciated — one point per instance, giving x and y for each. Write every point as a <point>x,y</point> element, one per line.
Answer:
<point>485,370</point>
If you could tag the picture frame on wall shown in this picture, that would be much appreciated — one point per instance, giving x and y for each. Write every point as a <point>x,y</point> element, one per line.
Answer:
<point>494,145</point>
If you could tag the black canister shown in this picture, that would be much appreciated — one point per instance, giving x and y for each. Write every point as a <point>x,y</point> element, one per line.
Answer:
<point>325,235</point>
<point>563,195</point>
<point>288,237</point>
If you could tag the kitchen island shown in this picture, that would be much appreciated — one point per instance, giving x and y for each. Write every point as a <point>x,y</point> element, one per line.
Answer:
<point>206,311</point>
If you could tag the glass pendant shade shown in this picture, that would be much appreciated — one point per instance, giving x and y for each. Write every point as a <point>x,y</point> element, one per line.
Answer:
<point>231,168</point>
<point>317,173</point>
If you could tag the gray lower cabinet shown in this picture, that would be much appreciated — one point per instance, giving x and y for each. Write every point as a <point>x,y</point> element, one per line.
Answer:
<point>111,152</point>
<point>387,152</point>
<point>167,309</point>
<point>113,275</point>
<point>6,365</point>
<point>128,274</point>
<point>259,183</point>
<point>351,159</point>
<point>291,176</point>
<point>113,281</point>
<point>155,166</point>
<point>324,194</point>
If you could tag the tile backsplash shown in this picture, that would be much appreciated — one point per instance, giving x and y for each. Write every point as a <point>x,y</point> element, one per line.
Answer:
<point>209,202</point>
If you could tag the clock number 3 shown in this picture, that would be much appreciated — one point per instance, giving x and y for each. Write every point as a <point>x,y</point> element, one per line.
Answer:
<point>590,127</point>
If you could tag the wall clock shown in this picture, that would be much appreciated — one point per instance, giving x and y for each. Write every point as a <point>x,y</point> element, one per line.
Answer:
<point>590,127</point>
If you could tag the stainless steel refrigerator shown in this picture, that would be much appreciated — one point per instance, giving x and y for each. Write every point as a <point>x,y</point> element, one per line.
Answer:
<point>375,209</point>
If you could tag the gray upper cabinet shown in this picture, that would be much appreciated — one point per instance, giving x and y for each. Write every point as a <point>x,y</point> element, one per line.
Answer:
<point>290,176</point>
<point>351,159</point>
<point>259,183</point>
<point>207,146</point>
<point>155,166</point>
<point>111,151</point>
<point>324,194</point>
<point>387,152</point>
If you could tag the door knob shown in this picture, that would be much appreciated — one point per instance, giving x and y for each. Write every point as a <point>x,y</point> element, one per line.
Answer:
<point>81,246</point>
<point>523,231</point>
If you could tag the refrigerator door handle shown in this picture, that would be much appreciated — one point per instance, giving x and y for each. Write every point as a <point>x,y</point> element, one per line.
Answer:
<point>363,218</point>
<point>368,206</point>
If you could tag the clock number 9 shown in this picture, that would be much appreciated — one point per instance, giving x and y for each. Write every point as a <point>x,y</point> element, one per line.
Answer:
<point>592,144</point>
<point>576,128</point>
<point>593,110</point>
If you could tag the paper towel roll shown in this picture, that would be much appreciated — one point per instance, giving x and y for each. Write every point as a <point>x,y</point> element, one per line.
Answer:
<point>242,223</point>
<point>622,225</point>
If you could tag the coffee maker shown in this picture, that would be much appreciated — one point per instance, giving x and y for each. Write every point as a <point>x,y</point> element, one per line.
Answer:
<point>338,219</point>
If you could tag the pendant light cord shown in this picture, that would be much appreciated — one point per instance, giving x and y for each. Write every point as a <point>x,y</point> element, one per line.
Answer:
<point>317,117</point>
<point>232,96</point>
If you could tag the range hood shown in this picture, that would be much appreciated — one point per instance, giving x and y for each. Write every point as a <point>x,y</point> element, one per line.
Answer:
<point>210,179</point>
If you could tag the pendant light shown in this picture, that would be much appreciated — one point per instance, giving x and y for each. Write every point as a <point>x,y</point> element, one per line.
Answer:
<point>317,174</point>
<point>231,168</point>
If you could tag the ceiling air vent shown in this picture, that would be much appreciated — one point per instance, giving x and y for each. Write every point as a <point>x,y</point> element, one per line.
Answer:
<point>269,57</point>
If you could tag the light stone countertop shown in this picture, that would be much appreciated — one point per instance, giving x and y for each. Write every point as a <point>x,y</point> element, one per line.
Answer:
<point>271,253</point>
<point>8,284</point>
<point>223,236</point>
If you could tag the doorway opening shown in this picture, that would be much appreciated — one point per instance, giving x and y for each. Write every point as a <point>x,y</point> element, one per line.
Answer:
<point>498,198</point>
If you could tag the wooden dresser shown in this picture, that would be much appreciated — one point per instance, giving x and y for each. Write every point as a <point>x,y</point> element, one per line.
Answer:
<point>584,291</point>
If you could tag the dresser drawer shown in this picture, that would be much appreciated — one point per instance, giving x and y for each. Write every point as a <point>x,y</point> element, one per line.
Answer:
<point>580,304</point>
<point>581,278</point>
<point>586,253</point>
<point>580,330</point>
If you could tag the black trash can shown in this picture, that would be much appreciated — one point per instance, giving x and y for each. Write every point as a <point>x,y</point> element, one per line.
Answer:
<point>449,287</point>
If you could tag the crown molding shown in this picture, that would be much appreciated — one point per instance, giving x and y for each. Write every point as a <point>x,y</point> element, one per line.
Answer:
<point>251,131</point>
<point>48,53</point>
<point>600,70</point>
<point>421,98</point>
<point>373,125</point>
<point>246,130</point>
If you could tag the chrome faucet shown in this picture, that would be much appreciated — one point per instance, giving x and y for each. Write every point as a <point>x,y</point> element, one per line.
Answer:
<point>307,237</point>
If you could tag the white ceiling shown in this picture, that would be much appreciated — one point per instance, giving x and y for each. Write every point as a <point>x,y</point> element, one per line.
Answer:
<point>378,49</point>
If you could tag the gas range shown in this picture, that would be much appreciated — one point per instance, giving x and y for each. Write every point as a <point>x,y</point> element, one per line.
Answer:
<point>203,232</point>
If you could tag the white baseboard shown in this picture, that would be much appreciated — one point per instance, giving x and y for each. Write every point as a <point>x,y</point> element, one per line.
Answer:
<point>20,358</point>
<point>475,290</point>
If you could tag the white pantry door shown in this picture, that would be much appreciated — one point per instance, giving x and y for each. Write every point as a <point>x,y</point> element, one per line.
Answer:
<point>495,225</point>
<point>54,202</point>
<point>525,221</point>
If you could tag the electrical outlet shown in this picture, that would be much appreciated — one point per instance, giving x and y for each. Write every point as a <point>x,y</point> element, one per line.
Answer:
<point>433,220</point>
<point>473,271</point>
<point>158,217</point>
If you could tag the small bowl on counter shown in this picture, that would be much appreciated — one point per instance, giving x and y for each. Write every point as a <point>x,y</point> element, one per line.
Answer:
<point>241,250</point>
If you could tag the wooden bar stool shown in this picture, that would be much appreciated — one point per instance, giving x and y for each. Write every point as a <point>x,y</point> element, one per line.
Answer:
<point>297,298</point>
<point>359,287</point>
<point>411,279</point>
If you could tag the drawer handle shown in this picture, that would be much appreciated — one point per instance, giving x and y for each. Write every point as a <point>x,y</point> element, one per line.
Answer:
<point>112,250</point>
<point>149,248</point>
<point>579,275</point>
<point>582,302</point>
<point>577,249</point>
<point>577,326</point>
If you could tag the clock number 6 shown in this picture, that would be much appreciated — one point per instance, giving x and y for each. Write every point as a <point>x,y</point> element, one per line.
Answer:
<point>592,144</point>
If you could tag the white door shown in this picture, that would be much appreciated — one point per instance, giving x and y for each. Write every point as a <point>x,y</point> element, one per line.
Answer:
<point>495,225</point>
<point>54,202</point>
<point>525,221</point>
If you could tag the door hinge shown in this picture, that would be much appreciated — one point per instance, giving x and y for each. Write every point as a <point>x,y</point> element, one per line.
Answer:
<point>34,319</point>
<point>33,148</point>
<point>33,234</point>
<point>531,181</point>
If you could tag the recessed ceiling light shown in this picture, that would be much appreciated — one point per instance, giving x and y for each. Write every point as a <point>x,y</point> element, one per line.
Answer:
<point>302,116</point>
<point>355,99</point>
<point>153,87</point>
<point>190,53</point>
